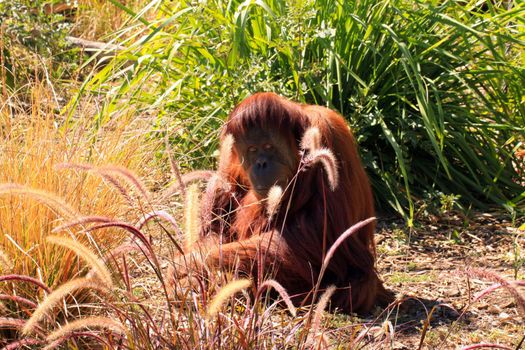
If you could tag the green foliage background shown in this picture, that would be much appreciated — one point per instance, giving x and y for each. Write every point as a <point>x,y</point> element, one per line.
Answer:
<point>433,90</point>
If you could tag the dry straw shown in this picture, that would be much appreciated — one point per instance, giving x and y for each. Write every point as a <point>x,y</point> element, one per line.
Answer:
<point>226,292</point>
<point>87,323</point>
<point>55,297</point>
<point>87,255</point>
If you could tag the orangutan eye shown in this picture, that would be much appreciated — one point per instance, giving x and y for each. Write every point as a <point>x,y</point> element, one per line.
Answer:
<point>268,147</point>
<point>252,149</point>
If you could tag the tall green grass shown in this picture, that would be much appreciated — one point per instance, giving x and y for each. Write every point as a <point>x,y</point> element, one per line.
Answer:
<point>432,90</point>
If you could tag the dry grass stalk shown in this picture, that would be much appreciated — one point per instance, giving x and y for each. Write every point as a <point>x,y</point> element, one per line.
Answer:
<point>82,221</point>
<point>282,292</point>
<point>11,323</point>
<point>21,344</point>
<point>311,139</point>
<point>88,322</point>
<point>224,293</point>
<point>159,214</point>
<point>52,201</point>
<point>341,239</point>
<point>175,170</point>
<point>203,175</point>
<point>55,297</point>
<point>192,215</point>
<point>319,309</point>
<point>111,173</point>
<point>128,176</point>
<point>18,300</point>
<point>24,278</point>
<point>87,255</point>
<point>328,160</point>
<point>216,184</point>
<point>274,199</point>
<point>503,283</point>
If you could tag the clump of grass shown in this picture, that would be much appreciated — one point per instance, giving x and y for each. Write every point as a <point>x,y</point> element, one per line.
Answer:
<point>36,198</point>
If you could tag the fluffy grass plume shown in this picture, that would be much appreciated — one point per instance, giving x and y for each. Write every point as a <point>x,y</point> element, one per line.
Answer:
<point>112,173</point>
<point>274,199</point>
<point>226,152</point>
<point>55,297</point>
<point>89,323</point>
<point>311,139</point>
<point>328,160</point>
<point>282,292</point>
<point>192,216</point>
<point>320,307</point>
<point>83,221</point>
<point>55,203</point>
<point>85,254</point>
<point>159,214</point>
<point>224,293</point>
<point>215,184</point>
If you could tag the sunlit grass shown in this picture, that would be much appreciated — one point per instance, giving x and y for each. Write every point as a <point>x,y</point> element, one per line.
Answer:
<point>34,143</point>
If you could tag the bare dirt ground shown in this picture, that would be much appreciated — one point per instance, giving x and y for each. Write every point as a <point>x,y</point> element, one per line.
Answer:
<point>446,262</point>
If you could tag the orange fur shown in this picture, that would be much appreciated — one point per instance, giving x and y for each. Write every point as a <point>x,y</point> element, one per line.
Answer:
<point>293,244</point>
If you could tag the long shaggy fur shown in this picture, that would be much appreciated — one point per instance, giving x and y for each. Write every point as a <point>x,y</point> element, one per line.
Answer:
<point>293,244</point>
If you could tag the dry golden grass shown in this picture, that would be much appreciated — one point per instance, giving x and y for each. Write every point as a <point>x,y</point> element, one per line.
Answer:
<point>33,145</point>
<point>96,18</point>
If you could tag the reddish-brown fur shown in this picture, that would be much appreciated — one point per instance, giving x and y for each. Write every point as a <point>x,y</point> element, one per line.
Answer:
<point>293,244</point>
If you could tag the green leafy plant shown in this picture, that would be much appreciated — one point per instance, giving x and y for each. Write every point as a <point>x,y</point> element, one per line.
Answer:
<point>30,34</point>
<point>433,91</point>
